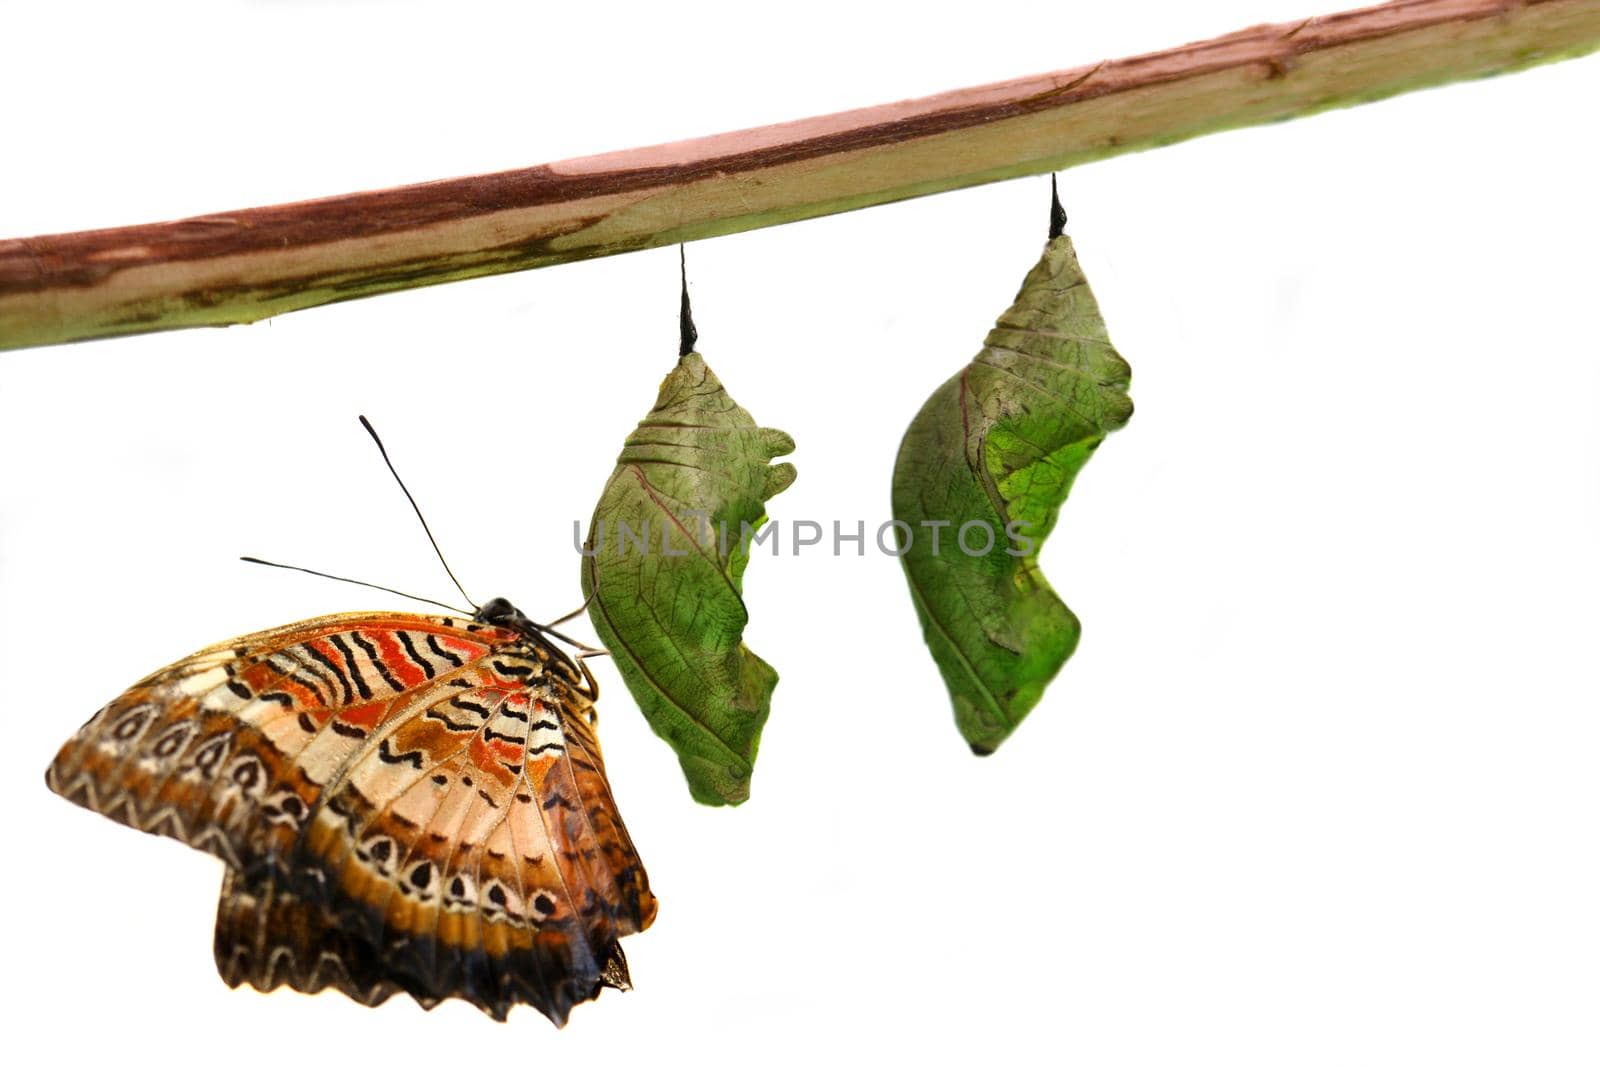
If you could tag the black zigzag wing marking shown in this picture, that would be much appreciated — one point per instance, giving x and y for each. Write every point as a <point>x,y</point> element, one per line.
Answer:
<point>267,936</point>
<point>410,649</point>
<point>348,654</point>
<point>387,754</point>
<point>334,669</point>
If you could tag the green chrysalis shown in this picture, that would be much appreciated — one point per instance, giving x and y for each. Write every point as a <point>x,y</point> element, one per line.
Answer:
<point>664,563</point>
<point>996,449</point>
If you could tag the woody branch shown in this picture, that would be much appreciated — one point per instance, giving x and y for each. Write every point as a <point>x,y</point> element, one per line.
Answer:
<point>242,266</point>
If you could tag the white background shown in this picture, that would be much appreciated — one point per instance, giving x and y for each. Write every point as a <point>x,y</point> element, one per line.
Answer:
<point>1320,784</point>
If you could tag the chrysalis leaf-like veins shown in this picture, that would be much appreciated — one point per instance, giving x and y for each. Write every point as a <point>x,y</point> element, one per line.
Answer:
<point>996,449</point>
<point>665,559</point>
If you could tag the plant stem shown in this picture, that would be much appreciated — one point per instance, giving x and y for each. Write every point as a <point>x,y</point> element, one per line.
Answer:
<point>242,266</point>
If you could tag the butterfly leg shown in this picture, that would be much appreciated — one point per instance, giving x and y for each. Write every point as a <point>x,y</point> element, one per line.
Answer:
<point>593,686</point>
<point>569,616</point>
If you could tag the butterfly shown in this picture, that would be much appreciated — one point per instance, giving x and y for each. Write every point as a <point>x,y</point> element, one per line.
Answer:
<point>404,803</point>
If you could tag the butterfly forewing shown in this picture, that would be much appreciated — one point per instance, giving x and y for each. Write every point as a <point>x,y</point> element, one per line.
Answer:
<point>406,802</point>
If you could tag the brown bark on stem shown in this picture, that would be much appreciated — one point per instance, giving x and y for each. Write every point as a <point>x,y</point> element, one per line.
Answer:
<point>242,266</point>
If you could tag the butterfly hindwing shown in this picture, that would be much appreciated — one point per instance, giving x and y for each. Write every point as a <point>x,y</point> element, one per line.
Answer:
<point>267,937</point>
<point>426,792</point>
<point>465,841</point>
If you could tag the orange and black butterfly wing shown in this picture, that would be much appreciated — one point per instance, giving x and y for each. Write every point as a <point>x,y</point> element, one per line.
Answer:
<point>475,839</point>
<point>424,789</point>
<point>268,937</point>
<point>228,749</point>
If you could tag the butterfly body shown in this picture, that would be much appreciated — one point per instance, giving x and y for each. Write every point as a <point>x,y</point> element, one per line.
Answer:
<point>404,803</point>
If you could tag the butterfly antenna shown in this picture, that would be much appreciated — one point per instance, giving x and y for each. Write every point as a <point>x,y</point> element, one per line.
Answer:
<point>354,581</point>
<point>384,452</point>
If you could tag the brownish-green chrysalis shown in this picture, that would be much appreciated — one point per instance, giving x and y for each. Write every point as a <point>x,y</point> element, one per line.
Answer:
<point>664,564</point>
<point>986,465</point>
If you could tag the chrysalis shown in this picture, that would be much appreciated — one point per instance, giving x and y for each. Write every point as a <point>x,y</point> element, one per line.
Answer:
<point>982,471</point>
<point>663,568</point>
